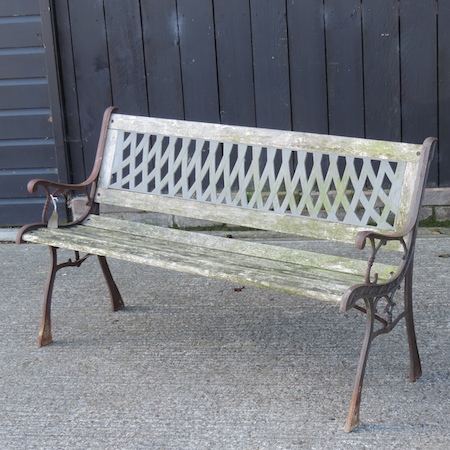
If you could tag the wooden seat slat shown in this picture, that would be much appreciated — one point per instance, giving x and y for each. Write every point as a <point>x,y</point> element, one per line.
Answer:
<point>218,262</point>
<point>208,241</point>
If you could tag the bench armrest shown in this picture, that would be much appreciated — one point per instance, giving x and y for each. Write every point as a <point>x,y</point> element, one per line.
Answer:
<point>87,188</point>
<point>54,190</point>
<point>364,236</point>
<point>57,187</point>
<point>405,239</point>
<point>371,287</point>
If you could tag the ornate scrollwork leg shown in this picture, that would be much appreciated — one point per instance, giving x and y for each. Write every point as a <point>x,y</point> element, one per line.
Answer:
<point>387,318</point>
<point>45,331</point>
<point>374,292</point>
<point>353,414</point>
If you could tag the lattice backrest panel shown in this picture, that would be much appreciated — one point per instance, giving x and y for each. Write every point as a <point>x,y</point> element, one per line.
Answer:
<point>338,187</point>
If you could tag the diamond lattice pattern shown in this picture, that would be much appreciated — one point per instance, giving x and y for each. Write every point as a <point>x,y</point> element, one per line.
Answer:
<point>347,189</point>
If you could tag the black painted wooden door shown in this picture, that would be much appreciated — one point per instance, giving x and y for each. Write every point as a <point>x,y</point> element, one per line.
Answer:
<point>31,139</point>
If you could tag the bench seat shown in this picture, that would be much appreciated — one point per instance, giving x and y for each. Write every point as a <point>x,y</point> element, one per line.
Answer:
<point>314,275</point>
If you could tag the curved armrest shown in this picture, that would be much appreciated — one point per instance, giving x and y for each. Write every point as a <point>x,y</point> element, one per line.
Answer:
<point>22,230</point>
<point>371,287</point>
<point>88,187</point>
<point>363,236</point>
<point>34,184</point>
<point>367,290</point>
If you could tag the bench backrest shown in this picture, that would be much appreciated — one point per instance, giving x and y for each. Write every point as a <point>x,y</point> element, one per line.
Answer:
<point>308,184</point>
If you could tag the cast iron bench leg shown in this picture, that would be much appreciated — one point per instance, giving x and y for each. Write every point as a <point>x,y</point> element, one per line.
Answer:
<point>353,414</point>
<point>116,298</point>
<point>45,332</point>
<point>415,369</point>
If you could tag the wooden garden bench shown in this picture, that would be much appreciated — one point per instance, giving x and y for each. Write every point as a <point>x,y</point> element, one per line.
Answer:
<point>342,189</point>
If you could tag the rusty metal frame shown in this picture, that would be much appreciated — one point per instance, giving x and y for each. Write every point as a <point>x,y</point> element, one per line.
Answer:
<point>45,331</point>
<point>387,324</point>
<point>55,189</point>
<point>372,293</point>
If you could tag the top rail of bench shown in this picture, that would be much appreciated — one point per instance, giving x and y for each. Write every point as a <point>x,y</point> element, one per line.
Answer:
<point>278,180</point>
<point>293,140</point>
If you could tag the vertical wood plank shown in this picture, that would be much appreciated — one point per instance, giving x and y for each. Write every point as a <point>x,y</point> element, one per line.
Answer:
<point>69,91</point>
<point>126,56</point>
<point>381,69</point>
<point>162,58</point>
<point>235,62</point>
<point>271,64</point>
<point>308,66</point>
<point>54,88</point>
<point>419,72</point>
<point>444,93</point>
<point>91,63</point>
<point>198,60</point>
<point>344,67</point>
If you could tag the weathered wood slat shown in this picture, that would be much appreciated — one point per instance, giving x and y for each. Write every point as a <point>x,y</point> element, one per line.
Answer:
<point>395,151</point>
<point>273,252</point>
<point>301,226</point>
<point>262,272</point>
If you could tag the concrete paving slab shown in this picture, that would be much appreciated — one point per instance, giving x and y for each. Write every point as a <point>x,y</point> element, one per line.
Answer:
<point>192,363</point>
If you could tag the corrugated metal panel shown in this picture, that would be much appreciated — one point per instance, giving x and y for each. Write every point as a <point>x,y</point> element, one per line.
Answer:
<point>27,137</point>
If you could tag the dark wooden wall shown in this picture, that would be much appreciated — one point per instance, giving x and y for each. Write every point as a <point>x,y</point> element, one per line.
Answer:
<point>372,68</point>
<point>31,135</point>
